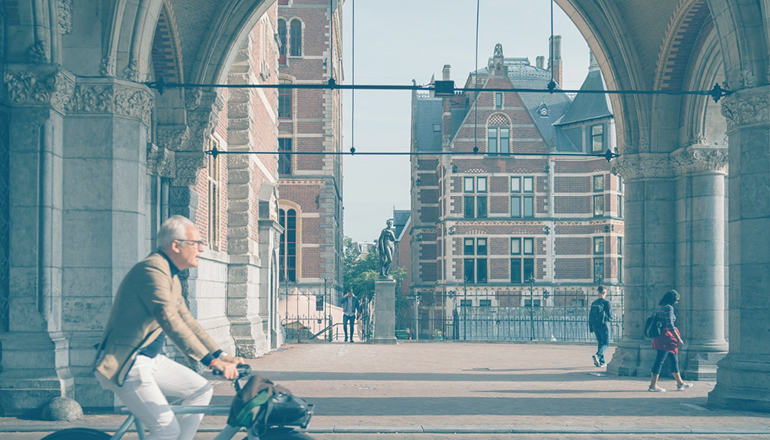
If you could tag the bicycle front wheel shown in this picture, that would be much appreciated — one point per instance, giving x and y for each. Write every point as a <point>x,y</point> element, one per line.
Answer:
<point>78,434</point>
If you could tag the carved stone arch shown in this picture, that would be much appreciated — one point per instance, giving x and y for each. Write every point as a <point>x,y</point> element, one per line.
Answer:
<point>166,48</point>
<point>232,25</point>
<point>603,27</point>
<point>744,40</point>
<point>689,20</point>
<point>131,32</point>
<point>702,121</point>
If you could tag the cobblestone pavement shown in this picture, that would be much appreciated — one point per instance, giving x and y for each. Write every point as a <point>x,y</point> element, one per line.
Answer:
<point>458,390</point>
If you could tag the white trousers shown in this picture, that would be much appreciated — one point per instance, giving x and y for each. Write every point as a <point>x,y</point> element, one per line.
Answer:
<point>144,393</point>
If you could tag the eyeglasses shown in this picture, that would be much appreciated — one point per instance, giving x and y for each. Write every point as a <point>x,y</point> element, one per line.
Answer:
<point>200,243</point>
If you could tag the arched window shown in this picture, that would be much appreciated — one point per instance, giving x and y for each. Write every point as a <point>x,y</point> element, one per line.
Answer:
<point>287,269</point>
<point>296,38</point>
<point>498,135</point>
<point>282,40</point>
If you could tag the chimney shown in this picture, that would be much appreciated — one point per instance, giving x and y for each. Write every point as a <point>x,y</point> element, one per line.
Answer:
<point>539,62</point>
<point>554,58</point>
<point>446,72</point>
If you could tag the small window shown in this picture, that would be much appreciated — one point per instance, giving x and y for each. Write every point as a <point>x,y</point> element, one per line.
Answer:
<point>529,184</point>
<point>481,270</point>
<point>529,269</point>
<point>481,207</point>
<point>620,206</point>
<point>516,246</point>
<point>529,206</point>
<point>620,270</point>
<point>481,246</point>
<point>598,206</point>
<point>578,302</point>
<point>492,140</point>
<point>620,245</point>
<point>505,140</point>
<point>498,100</point>
<point>282,41</point>
<point>296,38</point>
<point>516,270</point>
<point>481,184</point>
<point>466,303</point>
<point>469,206</point>
<point>469,270</point>
<point>598,270</point>
<point>516,206</point>
<point>599,245</point>
<point>468,184</point>
<point>284,103</point>
<point>515,184</point>
<point>284,159</point>
<point>599,183</point>
<point>468,246</point>
<point>436,128</point>
<point>529,246</point>
<point>597,138</point>
<point>485,303</point>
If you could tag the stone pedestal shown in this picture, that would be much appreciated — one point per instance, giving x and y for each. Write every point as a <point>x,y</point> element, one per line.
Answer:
<point>743,376</point>
<point>384,311</point>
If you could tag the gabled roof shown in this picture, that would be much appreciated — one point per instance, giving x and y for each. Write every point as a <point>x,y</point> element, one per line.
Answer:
<point>588,106</point>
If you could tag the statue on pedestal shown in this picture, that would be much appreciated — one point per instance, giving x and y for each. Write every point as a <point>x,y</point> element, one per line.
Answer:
<point>385,248</point>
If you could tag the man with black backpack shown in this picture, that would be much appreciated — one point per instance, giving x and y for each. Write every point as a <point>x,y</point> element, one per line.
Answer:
<point>599,317</point>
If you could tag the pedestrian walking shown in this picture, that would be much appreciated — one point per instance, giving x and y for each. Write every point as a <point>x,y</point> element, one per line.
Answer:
<point>667,344</point>
<point>599,317</point>
<point>149,308</point>
<point>351,311</point>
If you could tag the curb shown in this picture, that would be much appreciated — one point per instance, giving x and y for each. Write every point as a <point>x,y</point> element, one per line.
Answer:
<point>433,429</point>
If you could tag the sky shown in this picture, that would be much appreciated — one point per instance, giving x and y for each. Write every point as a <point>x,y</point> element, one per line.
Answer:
<point>396,41</point>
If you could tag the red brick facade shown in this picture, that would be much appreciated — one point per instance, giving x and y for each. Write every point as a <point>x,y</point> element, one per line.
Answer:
<point>309,121</point>
<point>490,220</point>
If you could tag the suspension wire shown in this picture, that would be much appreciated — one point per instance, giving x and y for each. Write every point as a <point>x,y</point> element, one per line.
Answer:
<point>608,155</point>
<point>476,84</point>
<point>353,81</point>
<point>716,93</point>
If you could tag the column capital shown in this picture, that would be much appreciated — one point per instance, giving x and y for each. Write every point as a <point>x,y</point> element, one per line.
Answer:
<point>698,159</point>
<point>642,166</point>
<point>54,87</point>
<point>747,107</point>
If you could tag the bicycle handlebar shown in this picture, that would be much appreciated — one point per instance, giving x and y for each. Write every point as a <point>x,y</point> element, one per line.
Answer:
<point>243,371</point>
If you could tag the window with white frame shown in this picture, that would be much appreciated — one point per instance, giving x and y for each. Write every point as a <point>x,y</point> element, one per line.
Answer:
<point>475,261</point>
<point>522,196</point>
<point>475,197</point>
<point>597,138</point>
<point>296,38</point>
<point>598,202</point>
<point>498,134</point>
<point>287,253</point>
<point>522,259</point>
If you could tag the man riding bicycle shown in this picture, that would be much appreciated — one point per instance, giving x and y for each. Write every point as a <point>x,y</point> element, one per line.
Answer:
<point>147,309</point>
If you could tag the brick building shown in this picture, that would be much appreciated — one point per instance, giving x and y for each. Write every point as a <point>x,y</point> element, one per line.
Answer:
<point>489,226</point>
<point>310,121</point>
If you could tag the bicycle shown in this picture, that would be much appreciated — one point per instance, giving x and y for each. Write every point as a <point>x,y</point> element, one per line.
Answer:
<point>274,432</point>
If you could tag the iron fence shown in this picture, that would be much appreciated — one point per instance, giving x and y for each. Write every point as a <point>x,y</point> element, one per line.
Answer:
<point>511,315</point>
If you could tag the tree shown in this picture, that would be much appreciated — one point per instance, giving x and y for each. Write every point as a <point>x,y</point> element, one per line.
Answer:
<point>360,271</point>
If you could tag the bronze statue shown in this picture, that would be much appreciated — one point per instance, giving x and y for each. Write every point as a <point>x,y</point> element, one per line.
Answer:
<point>385,248</point>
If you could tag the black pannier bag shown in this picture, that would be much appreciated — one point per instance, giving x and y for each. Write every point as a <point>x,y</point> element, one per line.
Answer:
<point>653,327</point>
<point>261,404</point>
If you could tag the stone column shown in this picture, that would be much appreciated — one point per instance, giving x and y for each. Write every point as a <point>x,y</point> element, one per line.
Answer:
<point>649,251</point>
<point>700,254</point>
<point>743,376</point>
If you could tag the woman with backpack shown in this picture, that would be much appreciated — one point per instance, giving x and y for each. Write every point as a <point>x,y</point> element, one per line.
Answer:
<point>667,344</point>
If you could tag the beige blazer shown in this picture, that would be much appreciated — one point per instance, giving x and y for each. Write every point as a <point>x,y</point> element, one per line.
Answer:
<point>149,300</point>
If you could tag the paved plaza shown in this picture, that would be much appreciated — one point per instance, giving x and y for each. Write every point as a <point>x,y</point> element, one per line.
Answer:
<point>457,390</point>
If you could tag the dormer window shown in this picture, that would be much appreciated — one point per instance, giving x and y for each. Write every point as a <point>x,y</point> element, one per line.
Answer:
<point>542,110</point>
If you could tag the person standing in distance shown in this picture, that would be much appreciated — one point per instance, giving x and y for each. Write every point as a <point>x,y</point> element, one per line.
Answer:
<point>351,311</point>
<point>599,319</point>
<point>149,308</point>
